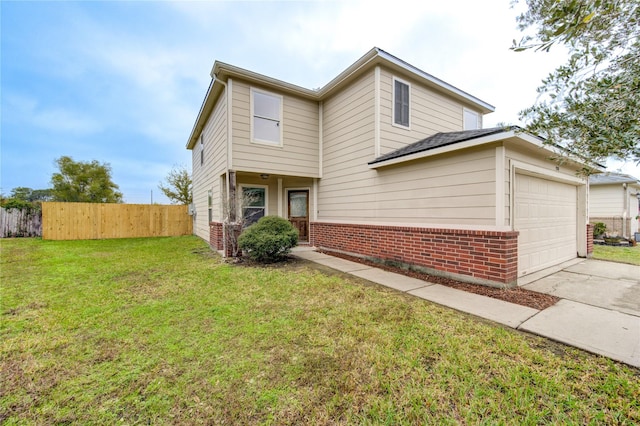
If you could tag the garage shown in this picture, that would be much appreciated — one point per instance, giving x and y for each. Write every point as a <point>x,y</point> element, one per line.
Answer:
<point>546,217</point>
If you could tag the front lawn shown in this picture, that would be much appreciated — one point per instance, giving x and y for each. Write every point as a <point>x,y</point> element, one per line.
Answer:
<point>617,254</point>
<point>160,331</point>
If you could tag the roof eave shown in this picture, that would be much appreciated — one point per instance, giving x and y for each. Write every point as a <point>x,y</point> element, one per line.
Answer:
<point>495,137</point>
<point>440,150</point>
<point>203,114</point>
<point>485,107</point>
<point>223,71</point>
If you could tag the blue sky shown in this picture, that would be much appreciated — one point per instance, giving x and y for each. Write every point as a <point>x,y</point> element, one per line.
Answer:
<point>121,82</point>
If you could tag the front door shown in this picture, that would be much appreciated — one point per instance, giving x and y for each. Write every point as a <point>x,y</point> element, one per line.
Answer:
<point>299,213</point>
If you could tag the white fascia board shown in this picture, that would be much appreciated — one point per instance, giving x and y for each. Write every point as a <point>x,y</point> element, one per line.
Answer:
<point>220,70</point>
<point>444,149</point>
<point>533,170</point>
<point>203,114</point>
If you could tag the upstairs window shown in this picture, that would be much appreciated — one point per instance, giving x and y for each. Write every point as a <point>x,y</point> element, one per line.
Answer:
<point>266,117</point>
<point>472,120</point>
<point>401,103</point>
<point>201,150</point>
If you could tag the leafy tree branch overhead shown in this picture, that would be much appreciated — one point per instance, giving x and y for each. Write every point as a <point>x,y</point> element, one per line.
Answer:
<point>591,104</point>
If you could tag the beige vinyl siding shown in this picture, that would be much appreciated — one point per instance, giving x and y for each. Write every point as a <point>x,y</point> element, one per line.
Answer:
<point>606,200</point>
<point>448,189</point>
<point>348,145</point>
<point>431,112</point>
<point>207,177</point>
<point>533,156</point>
<point>299,153</point>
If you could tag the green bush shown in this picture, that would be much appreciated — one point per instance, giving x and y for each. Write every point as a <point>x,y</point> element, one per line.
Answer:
<point>599,228</point>
<point>268,240</point>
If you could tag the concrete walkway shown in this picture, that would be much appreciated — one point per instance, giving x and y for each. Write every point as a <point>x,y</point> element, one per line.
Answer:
<point>590,316</point>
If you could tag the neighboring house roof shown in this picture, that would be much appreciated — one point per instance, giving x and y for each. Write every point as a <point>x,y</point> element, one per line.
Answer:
<point>609,178</point>
<point>221,72</point>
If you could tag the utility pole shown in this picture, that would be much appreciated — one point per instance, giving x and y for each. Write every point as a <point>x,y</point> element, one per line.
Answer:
<point>152,196</point>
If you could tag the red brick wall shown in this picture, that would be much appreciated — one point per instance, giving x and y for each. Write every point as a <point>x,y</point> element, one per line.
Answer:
<point>589,239</point>
<point>216,235</point>
<point>482,255</point>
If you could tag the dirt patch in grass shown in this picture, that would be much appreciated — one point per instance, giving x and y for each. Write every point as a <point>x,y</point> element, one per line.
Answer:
<point>515,295</point>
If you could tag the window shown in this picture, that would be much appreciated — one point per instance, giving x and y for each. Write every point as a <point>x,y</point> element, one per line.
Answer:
<point>210,204</point>
<point>201,150</point>
<point>254,203</point>
<point>401,105</point>
<point>472,120</point>
<point>266,112</point>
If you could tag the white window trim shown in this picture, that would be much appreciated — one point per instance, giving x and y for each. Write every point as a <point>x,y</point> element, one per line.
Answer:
<point>266,197</point>
<point>464,119</point>
<point>280,126</point>
<point>393,103</point>
<point>202,150</point>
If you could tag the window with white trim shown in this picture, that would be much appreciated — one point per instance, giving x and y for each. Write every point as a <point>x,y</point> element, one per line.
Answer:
<point>471,120</point>
<point>266,117</point>
<point>210,204</point>
<point>254,203</point>
<point>201,150</point>
<point>401,103</point>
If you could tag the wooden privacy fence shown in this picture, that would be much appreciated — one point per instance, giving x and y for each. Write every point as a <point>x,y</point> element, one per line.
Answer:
<point>20,223</point>
<point>91,221</point>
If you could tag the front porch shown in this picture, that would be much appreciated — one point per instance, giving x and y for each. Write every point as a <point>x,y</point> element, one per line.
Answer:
<point>248,196</point>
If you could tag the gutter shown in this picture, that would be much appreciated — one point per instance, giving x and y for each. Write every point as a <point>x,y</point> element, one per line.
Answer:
<point>204,101</point>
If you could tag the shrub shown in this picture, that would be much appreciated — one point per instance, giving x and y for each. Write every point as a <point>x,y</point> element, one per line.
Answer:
<point>599,228</point>
<point>268,240</point>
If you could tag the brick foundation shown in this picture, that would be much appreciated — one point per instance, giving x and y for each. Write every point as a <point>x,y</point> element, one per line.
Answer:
<point>615,225</point>
<point>589,239</point>
<point>489,257</point>
<point>216,235</point>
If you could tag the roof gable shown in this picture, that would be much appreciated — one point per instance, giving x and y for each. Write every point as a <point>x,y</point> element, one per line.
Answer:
<point>221,72</point>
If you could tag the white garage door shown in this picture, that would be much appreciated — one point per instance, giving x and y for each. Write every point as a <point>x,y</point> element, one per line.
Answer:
<point>545,215</point>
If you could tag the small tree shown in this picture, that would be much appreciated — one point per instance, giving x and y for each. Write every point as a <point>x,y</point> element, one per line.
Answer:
<point>269,240</point>
<point>178,186</point>
<point>88,182</point>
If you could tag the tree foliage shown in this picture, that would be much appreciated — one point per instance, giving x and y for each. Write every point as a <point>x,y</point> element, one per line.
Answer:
<point>86,182</point>
<point>590,104</point>
<point>178,186</point>
<point>23,197</point>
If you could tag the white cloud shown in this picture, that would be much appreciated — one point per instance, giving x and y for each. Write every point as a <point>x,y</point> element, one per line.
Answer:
<point>24,109</point>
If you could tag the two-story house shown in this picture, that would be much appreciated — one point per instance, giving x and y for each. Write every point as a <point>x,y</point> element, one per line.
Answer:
<point>386,162</point>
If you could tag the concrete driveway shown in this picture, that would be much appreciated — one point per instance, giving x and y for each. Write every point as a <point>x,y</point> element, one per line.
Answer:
<point>599,310</point>
<point>609,285</point>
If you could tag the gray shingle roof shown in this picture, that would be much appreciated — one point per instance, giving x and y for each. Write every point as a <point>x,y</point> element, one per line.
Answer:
<point>611,178</point>
<point>442,139</point>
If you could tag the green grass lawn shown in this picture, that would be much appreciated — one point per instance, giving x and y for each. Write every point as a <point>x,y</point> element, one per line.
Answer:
<point>160,331</point>
<point>617,254</point>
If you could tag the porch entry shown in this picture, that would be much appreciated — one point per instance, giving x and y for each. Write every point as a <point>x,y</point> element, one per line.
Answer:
<point>298,212</point>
